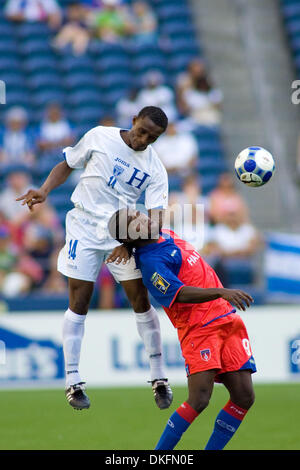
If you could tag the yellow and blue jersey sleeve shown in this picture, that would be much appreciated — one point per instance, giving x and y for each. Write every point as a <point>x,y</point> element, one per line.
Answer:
<point>160,278</point>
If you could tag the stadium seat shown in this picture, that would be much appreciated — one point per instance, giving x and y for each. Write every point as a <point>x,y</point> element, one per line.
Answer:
<point>179,62</point>
<point>89,115</point>
<point>209,182</point>
<point>177,28</point>
<point>185,45</point>
<point>6,30</point>
<point>211,165</point>
<point>81,79</point>
<point>36,46</point>
<point>16,97</point>
<point>8,47</point>
<point>32,30</point>
<point>10,63</point>
<point>84,97</point>
<point>60,201</point>
<point>40,63</point>
<point>44,80</point>
<point>143,64</point>
<point>239,271</point>
<point>173,11</point>
<point>110,98</point>
<point>71,64</point>
<point>112,80</point>
<point>47,96</point>
<point>159,3</point>
<point>13,78</point>
<point>112,62</point>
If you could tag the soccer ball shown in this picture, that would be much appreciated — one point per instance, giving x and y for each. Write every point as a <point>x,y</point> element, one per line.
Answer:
<point>254,166</point>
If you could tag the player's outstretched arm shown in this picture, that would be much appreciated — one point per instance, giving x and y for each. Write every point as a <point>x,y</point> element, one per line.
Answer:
<point>57,176</point>
<point>197,295</point>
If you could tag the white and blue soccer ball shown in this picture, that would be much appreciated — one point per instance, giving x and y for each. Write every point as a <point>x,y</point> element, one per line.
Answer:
<point>254,166</point>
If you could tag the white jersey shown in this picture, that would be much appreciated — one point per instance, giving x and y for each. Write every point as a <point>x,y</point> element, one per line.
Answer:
<point>114,176</point>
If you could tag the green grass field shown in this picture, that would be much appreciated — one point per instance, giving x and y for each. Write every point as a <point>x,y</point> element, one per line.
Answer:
<point>127,418</point>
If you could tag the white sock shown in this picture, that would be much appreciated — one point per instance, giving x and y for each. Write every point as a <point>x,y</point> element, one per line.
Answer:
<point>73,330</point>
<point>149,330</point>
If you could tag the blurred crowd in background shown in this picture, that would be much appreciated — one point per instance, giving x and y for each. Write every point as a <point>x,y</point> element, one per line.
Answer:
<point>30,241</point>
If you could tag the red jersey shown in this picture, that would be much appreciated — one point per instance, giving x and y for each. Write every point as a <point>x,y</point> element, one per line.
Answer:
<point>172,263</point>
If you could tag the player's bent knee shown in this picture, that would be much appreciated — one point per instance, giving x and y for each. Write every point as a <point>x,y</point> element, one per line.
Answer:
<point>245,400</point>
<point>140,303</point>
<point>198,404</point>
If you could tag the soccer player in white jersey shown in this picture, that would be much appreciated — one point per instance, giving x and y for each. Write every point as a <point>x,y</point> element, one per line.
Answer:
<point>119,165</point>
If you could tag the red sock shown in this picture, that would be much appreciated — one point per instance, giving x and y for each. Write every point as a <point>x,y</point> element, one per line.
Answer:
<point>187,412</point>
<point>235,410</point>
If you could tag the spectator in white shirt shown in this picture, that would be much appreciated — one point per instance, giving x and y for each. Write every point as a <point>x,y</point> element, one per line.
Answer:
<point>232,244</point>
<point>34,10</point>
<point>17,182</point>
<point>187,212</point>
<point>55,131</point>
<point>234,238</point>
<point>16,145</point>
<point>155,93</point>
<point>144,22</point>
<point>177,151</point>
<point>197,99</point>
<point>127,107</point>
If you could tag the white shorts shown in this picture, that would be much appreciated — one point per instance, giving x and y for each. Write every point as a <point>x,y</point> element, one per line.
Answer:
<point>82,255</point>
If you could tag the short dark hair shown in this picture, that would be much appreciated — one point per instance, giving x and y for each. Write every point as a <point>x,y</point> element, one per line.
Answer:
<point>157,115</point>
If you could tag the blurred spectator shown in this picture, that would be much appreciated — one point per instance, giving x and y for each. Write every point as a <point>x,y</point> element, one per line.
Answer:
<point>231,248</point>
<point>197,99</point>
<point>42,234</point>
<point>108,121</point>
<point>224,199</point>
<point>45,217</point>
<point>178,151</point>
<point>127,107</point>
<point>34,10</point>
<point>155,93</point>
<point>55,131</point>
<point>112,22</point>
<point>17,271</point>
<point>55,282</point>
<point>74,30</point>
<point>16,144</point>
<point>233,237</point>
<point>144,23</point>
<point>187,212</point>
<point>107,289</point>
<point>18,181</point>
<point>8,256</point>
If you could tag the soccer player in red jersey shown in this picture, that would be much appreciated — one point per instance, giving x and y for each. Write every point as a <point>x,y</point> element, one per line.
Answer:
<point>213,337</point>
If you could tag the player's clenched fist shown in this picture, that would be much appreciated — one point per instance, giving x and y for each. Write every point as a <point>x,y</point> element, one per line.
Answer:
<point>237,297</point>
<point>32,197</point>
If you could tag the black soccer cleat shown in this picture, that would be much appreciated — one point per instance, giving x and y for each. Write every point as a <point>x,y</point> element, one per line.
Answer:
<point>163,394</point>
<point>77,397</point>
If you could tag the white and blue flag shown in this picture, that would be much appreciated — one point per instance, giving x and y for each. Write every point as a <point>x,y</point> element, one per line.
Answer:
<point>282,266</point>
